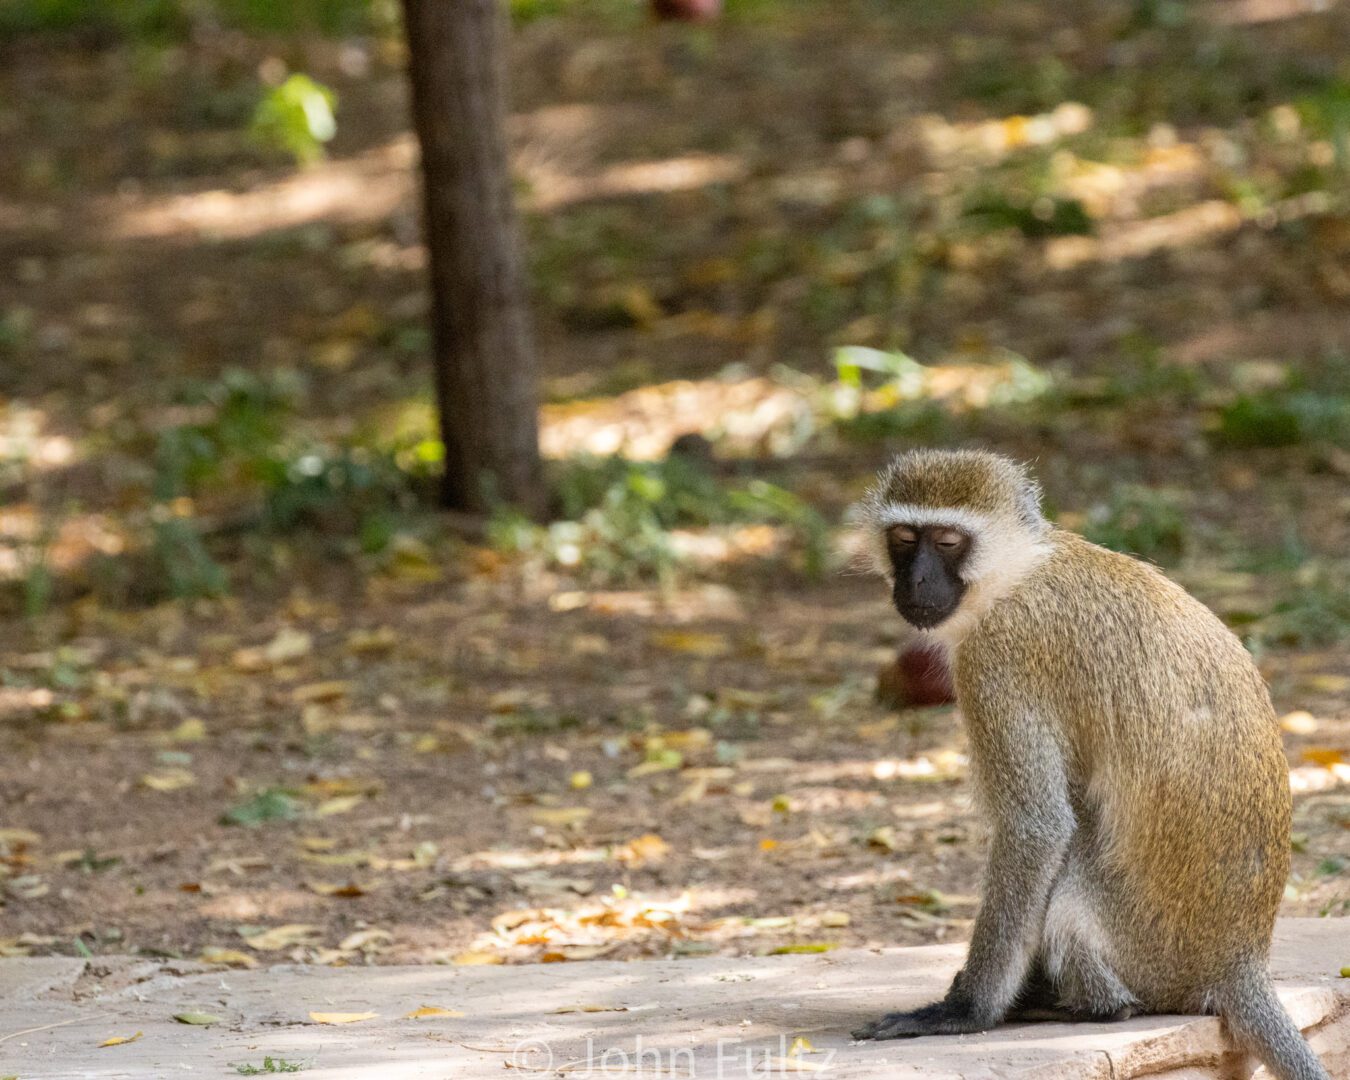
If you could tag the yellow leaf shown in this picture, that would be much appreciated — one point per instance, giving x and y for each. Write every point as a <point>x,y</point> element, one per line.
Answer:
<point>282,937</point>
<point>694,642</point>
<point>835,918</point>
<point>370,940</point>
<point>190,730</point>
<point>339,805</point>
<point>347,890</point>
<point>644,849</point>
<point>337,858</point>
<point>428,1011</point>
<point>289,644</point>
<point>227,957</point>
<point>472,959</point>
<point>800,1045</point>
<point>591,1008</point>
<point>168,780</point>
<point>121,1040</point>
<point>426,744</point>
<point>1324,756</point>
<point>883,838</point>
<point>19,836</point>
<point>380,640</point>
<point>341,1018</point>
<point>581,780</point>
<point>693,739</point>
<point>649,768</point>
<point>561,816</point>
<point>767,844</point>
<point>330,690</point>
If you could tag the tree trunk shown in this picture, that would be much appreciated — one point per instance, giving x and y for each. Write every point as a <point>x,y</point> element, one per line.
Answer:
<point>484,352</point>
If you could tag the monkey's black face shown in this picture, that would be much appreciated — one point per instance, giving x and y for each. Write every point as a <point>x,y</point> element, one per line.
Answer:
<point>927,561</point>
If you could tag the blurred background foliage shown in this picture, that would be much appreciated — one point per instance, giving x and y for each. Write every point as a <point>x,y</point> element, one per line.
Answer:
<point>990,223</point>
<point>766,252</point>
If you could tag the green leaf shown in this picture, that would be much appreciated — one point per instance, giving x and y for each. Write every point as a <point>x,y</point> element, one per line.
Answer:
<point>199,1019</point>
<point>274,804</point>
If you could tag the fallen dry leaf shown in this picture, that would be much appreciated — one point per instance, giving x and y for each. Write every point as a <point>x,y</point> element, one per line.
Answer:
<point>591,1008</point>
<point>560,816</point>
<point>282,937</point>
<point>647,848</point>
<point>168,780</point>
<point>1323,755</point>
<point>227,957</point>
<point>369,940</point>
<point>697,643</point>
<point>473,958</point>
<point>121,1040</point>
<point>340,805</point>
<point>426,1012</point>
<point>348,890</point>
<point>330,690</point>
<point>197,1019</point>
<point>341,1017</point>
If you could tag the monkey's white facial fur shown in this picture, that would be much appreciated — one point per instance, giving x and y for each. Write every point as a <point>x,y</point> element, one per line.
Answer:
<point>1008,535</point>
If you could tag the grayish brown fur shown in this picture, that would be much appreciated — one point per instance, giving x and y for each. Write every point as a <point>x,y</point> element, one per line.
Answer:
<point>1128,758</point>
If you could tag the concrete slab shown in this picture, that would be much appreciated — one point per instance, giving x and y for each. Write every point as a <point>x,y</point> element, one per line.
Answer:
<point>714,1017</point>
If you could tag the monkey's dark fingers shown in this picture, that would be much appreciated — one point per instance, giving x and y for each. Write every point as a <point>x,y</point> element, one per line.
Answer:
<point>935,1019</point>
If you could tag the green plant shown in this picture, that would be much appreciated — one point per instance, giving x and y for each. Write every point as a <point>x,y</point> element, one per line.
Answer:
<point>297,117</point>
<point>269,1065</point>
<point>1140,521</point>
<point>1312,613</point>
<point>270,804</point>
<point>244,416</point>
<point>348,488</point>
<point>620,518</point>
<point>180,554</point>
<point>1284,417</point>
<point>1042,216</point>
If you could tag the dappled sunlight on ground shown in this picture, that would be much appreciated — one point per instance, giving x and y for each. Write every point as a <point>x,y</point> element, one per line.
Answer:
<point>366,188</point>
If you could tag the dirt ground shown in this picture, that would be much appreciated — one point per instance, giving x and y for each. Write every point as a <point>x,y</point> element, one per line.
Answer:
<point>454,754</point>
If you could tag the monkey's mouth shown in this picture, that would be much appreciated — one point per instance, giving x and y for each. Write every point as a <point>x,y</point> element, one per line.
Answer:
<point>923,616</point>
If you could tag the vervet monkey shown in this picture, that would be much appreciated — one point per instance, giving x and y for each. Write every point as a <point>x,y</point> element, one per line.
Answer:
<point>1125,751</point>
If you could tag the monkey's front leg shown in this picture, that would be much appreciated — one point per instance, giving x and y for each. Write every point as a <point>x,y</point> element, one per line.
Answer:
<point>1025,857</point>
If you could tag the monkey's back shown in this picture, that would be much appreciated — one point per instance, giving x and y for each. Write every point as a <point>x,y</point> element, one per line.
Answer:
<point>1176,773</point>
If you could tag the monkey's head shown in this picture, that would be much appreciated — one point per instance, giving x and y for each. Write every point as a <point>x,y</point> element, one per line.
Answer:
<point>946,527</point>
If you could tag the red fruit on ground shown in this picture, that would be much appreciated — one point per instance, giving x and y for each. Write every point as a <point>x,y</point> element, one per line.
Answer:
<point>918,676</point>
<point>687,10</point>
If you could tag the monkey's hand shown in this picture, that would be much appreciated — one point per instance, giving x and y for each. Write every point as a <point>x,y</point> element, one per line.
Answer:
<point>956,1014</point>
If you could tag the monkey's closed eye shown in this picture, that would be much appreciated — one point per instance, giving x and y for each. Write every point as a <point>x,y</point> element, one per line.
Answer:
<point>949,539</point>
<point>902,535</point>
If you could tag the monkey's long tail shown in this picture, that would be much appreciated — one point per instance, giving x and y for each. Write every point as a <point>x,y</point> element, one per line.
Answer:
<point>1259,1024</point>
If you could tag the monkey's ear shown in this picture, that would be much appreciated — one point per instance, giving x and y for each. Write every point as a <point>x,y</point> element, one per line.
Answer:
<point>1029,499</point>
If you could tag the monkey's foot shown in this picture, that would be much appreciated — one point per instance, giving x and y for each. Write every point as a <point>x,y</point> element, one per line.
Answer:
<point>941,1018</point>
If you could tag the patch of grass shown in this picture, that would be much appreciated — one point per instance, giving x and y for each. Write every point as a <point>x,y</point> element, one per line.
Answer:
<point>619,518</point>
<point>1284,417</point>
<point>180,553</point>
<point>243,416</point>
<point>271,804</point>
<point>175,19</point>
<point>1035,218</point>
<point>269,1065</point>
<point>1140,521</point>
<point>1311,614</point>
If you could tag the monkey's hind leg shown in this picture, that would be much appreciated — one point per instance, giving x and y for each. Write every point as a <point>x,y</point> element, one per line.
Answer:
<point>1074,953</point>
<point>1042,1001</point>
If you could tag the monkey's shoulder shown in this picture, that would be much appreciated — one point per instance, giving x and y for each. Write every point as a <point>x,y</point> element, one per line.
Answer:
<point>1082,596</point>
